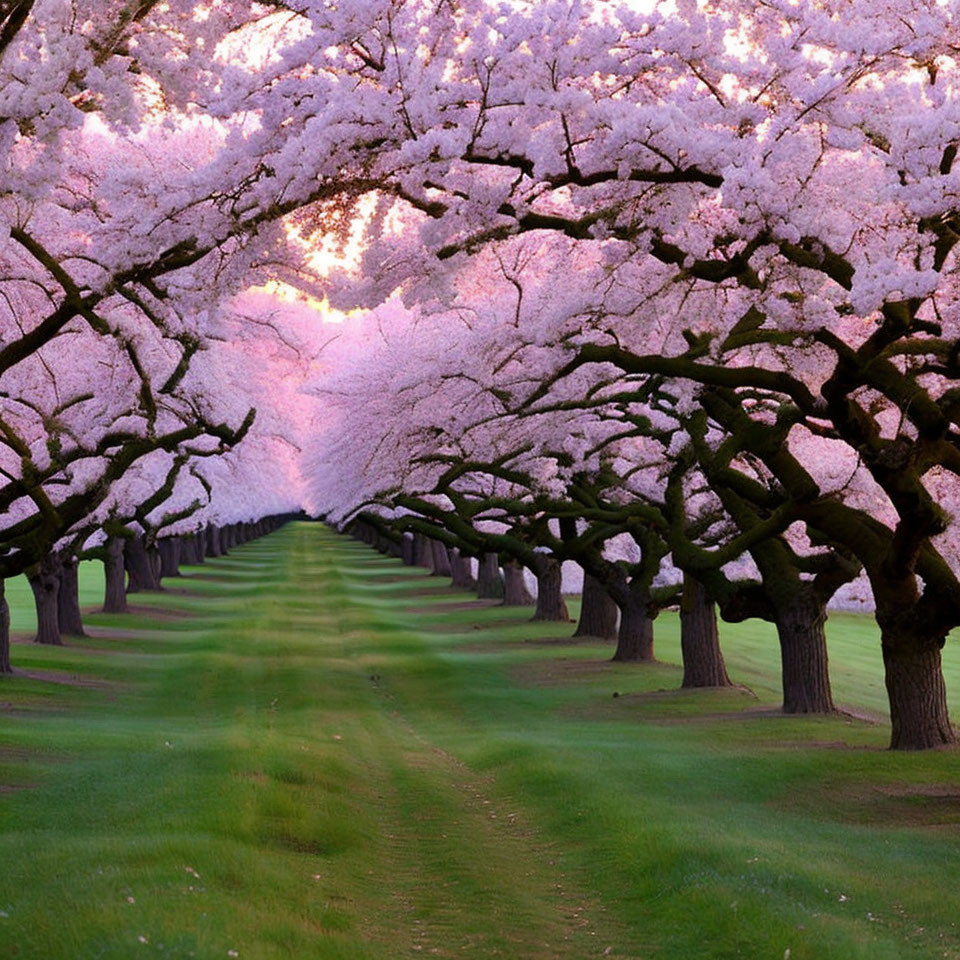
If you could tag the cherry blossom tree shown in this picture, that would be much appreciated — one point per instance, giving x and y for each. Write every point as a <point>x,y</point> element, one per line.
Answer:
<point>784,175</point>
<point>751,208</point>
<point>122,240</point>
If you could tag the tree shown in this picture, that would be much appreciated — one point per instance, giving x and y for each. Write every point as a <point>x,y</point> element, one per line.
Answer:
<point>790,195</point>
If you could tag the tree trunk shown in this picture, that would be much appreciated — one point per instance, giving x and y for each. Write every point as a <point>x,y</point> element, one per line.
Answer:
<point>803,655</point>
<point>598,611</point>
<point>170,553</point>
<point>422,553</point>
<point>45,583</point>
<point>200,547</point>
<point>703,664</point>
<point>196,549</point>
<point>213,541</point>
<point>156,564</point>
<point>918,696</point>
<point>550,603</point>
<point>407,550</point>
<point>68,599</point>
<point>188,550</point>
<point>460,571</point>
<point>114,595</point>
<point>140,568</point>
<point>489,582</point>
<point>441,559</point>
<point>635,636</point>
<point>515,592</point>
<point>5,666</point>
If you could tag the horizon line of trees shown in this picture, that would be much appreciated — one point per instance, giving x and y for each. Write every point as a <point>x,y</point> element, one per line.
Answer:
<point>136,558</point>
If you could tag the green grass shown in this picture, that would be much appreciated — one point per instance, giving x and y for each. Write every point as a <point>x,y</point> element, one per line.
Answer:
<point>304,750</point>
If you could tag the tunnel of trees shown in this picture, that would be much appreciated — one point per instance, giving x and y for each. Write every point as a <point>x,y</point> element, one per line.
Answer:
<point>670,296</point>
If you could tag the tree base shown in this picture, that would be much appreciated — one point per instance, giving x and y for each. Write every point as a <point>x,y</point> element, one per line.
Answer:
<point>918,699</point>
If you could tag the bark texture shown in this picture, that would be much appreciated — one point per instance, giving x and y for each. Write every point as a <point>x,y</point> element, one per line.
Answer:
<point>140,566</point>
<point>406,550</point>
<point>635,636</point>
<point>422,552</point>
<point>489,582</point>
<point>803,655</point>
<point>918,696</point>
<point>156,564</point>
<point>703,664</point>
<point>460,571</point>
<point>598,611</point>
<point>68,599</point>
<point>515,592</point>
<point>214,548</point>
<point>441,558</point>
<point>188,549</point>
<point>45,582</point>
<point>114,594</point>
<point>170,553</point>
<point>550,602</point>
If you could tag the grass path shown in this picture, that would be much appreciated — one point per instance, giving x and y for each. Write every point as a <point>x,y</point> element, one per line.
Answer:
<point>235,781</point>
<point>304,750</point>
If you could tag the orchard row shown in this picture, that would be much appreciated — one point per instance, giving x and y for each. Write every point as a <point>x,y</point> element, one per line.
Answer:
<point>666,289</point>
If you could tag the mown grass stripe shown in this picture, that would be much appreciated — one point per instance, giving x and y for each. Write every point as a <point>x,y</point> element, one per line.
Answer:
<point>321,759</point>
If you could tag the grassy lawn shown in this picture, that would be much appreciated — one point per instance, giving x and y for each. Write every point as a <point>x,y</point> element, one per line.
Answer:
<point>304,750</point>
